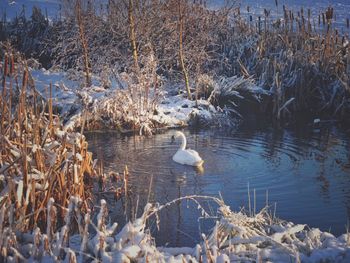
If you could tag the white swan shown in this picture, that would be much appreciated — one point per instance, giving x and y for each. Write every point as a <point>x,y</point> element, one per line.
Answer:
<point>186,156</point>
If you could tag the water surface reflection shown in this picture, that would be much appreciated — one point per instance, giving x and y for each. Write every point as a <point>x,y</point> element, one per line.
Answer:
<point>305,171</point>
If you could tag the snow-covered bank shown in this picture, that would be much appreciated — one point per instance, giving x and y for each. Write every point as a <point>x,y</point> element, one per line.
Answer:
<point>166,109</point>
<point>236,237</point>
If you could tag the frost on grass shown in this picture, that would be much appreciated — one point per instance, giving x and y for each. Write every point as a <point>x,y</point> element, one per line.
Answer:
<point>236,237</point>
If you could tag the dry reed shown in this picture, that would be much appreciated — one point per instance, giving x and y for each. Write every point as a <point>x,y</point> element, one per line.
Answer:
<point>305,68</point>
<point>38,160</point>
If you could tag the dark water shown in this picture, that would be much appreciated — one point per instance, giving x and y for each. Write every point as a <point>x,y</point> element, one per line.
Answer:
<point>306,172</point>
<point>341,7</point>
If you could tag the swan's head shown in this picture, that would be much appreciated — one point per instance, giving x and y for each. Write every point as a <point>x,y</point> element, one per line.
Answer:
<point>176,135</point>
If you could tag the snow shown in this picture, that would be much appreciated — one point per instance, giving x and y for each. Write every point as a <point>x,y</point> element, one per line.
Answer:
<point>236,237</point>
<point>70,100</point>
<point>116,106</point>
<point>132,251</point>
<point>177,111</point>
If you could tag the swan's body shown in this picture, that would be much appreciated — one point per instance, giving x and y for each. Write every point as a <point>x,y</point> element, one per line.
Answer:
<point>186,156</point>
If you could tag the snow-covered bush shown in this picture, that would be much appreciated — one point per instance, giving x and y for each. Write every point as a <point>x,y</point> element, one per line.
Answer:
<point>132,107</point>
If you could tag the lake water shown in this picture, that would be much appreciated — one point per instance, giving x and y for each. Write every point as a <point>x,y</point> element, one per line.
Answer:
<point>305,170</point>
<point>341,7</point>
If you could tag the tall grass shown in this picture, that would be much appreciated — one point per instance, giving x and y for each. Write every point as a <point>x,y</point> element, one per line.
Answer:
<point>305,65</point>
<point>47,175</point>
<point>38,161</point>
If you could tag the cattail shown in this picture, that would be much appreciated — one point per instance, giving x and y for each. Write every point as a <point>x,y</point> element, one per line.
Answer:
<point>347,22</point>
<point>276,2</point>
<point>329,14</point>
<point>51,218</point>
<point>336,36</point>
<point>6,65</point>
<point>85,235</point>
<point>117,193</point>
<point>126,176</point>
<point>285,11</point>
<point>101,181</point>
<point>102,216</point>
<point>323,19</point>
<point>50,109</point>
<point>248,8</point>
<point>266,12</point>
<point>12,65</point>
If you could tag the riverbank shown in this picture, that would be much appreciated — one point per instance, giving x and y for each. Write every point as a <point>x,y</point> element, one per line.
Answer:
<point>102,108</point>
<point>231,101</point>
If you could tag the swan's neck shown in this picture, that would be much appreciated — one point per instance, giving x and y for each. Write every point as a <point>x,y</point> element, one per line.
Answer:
<point>183,142</point>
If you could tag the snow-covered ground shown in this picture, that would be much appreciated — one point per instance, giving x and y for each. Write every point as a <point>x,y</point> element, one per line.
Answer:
<point>178,111</point>
<point>63,90</point>
<point>236,237</point>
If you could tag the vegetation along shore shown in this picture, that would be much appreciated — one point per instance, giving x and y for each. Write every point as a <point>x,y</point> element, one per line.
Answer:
<point>139,67</point>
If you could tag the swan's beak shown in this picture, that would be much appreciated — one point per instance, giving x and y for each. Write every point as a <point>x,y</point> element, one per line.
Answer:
<point>172,139</point>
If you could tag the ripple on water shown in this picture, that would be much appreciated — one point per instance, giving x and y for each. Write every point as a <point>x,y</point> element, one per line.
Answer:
<point>303,173</point>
